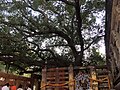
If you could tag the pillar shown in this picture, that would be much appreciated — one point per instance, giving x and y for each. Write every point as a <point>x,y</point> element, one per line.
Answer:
<point>43,82</point>
<point>93,76</point>
<point>71,78</point>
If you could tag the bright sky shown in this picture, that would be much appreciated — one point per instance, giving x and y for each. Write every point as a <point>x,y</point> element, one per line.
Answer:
<point>102,49</point>
<point>101,43</point>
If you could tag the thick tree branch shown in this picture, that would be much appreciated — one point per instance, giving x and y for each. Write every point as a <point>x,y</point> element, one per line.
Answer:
<point>61,34</point>
<point>79,30</point>
<point>38,49</point>
<point>16,25</point>
<point>14,58</point>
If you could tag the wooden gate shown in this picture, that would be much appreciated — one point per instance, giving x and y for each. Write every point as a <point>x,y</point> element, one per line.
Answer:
<point>65,78</point>
<point>57,79</point>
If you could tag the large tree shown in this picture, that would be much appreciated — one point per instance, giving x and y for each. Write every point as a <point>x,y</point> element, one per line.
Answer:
<point>52,32</point>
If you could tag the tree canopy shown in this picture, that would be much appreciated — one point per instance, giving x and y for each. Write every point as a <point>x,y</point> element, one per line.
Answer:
<point>56,33</point>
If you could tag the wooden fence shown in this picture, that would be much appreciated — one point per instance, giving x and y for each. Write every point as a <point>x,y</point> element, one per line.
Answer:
<point>66,78</point>
<point>14,79</point>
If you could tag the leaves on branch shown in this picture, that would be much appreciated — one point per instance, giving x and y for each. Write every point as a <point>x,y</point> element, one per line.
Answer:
<point>56,33</point>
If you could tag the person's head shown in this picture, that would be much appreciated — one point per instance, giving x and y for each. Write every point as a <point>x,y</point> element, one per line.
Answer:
<point>7,84</point>
<point>20,86</point>
<point>13,84</point>
<point>29,86</point>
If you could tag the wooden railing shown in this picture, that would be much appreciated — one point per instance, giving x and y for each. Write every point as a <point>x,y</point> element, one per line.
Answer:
<point>13,79</point>
<point>65,77</point>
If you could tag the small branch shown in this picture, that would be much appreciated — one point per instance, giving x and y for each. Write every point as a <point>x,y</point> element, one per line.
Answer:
<point>56,45</point>
<point>94,39</point>
<point>38,49</point>
<point>45,16</point>
<point>68,3</point>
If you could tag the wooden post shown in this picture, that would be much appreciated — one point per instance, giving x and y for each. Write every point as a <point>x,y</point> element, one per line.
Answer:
<point>43,82</point>
<point>71,79</point>
<point>110,80</point>
<point>57,78</point>
<point>32,81</point>
<point>93,76</point>
<point>36,83</point>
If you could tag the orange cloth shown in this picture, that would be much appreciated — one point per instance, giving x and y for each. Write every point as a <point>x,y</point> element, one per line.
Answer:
<point>13,88</point>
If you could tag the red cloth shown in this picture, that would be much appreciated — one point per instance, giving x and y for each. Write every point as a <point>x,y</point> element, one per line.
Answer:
<point>13,88</point>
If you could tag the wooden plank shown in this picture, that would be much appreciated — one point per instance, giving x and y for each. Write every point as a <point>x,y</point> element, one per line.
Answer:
<point>78,67</point>
<point>71,78</point>
<point>88,67</point>
<point>50,87</point>
<point>44,80</point>
<point>53,69</point>
<point>59,73</point>
<point>53,78</point>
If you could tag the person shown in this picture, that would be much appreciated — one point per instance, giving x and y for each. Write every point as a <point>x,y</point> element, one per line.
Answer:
<point>0,87</point>
<point>20,87</point>
<point>13,87</point>
<point>29,87</point>
<point>5,87</point>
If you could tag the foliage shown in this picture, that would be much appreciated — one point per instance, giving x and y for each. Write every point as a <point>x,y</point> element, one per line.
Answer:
<point>2,67</point>
<point>56,33</point>
<point>95,58</point>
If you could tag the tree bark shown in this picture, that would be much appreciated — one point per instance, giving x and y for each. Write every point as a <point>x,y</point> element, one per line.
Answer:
<point>79,30</point>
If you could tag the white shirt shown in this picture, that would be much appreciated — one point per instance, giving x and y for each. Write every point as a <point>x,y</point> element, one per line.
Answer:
<point>29,88</point>
<point>19,89</point>
<point>5,88</point>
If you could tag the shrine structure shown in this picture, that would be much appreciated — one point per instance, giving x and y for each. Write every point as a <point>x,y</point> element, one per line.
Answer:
<point>66,78</point>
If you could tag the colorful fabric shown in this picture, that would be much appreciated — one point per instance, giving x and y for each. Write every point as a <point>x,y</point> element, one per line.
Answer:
<point>5,88</point>
<point>13,88</point>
